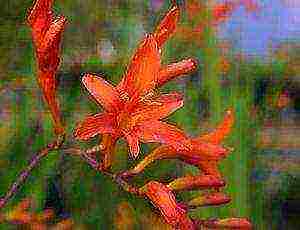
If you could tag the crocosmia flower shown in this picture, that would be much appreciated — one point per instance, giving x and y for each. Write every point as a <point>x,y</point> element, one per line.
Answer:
<point>131,110</point>
<point>46,33</point>
<point>204,152</point>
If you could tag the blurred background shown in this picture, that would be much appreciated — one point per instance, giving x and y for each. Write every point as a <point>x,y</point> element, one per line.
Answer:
<point>249,59</point>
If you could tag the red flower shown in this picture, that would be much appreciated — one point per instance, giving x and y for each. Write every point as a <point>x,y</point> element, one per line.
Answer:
<point>130,110</point>
<point>204,152</point>
<point>46,33</point>
<point>163,199</point>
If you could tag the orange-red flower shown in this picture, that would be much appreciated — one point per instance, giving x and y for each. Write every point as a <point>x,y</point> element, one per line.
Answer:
<point>46,33</point>
<point>204,152</point>
<point>162,198</point>
<point>130,109</point>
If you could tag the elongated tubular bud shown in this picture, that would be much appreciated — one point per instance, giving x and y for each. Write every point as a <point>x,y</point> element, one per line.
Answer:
<point>167,26</point>
<point>196,182</point>
<point>177,69</point>
<point>159,153</point>
<point>229,223</point>
<point>53,34</point>
<point>108,144</point>
<point>222,130</point>
<point>208,200</point>
<point>163,199</point>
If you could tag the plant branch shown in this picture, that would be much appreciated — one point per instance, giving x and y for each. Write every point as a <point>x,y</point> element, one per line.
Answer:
<point>56,144</point>
<point>85,155</point>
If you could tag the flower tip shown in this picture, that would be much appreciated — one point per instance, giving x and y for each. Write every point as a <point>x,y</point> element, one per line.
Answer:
<point>230,112</point>
<point>175,10</point>
<point>194,64</point>
<point>134,151</point>
<point>90,80</point>
<point>39,8</point>
<point>62,19</point>
<point>87,78</point>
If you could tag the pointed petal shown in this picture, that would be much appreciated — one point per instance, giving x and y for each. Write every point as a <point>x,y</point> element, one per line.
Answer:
<point>94,125</point>
<point>53,34</point>
<point>158,108</point>
<point>133,143</point>
<point>164,133</point>
<point>216,198</point>
<point>103,92</point>
<point>39,18</point>
<point>222,131</point>
<point>40,8</point>
<point>171,71</point>
<point>196,182</point>
<point>161,152</point>
<point>141,75</point>
<point>167,26</point>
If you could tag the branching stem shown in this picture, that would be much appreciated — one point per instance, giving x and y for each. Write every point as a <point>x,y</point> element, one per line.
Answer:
<point>56,144</point>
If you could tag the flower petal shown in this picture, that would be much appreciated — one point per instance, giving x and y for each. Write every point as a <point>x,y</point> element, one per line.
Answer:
<point>53,34</point>
<point>94,125</point>
<point>39,18</point>
<point>222,131</point>
<point>164,133</point>
<point>141,75</point>
<point>174,70</point>
<point>196,182</point>
<point>133,143</point>
<point>158,108</point>
<point>103,92</point>
<point>167,26</point>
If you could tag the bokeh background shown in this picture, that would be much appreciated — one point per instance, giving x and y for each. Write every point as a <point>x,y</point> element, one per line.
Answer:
<point>248,60</point>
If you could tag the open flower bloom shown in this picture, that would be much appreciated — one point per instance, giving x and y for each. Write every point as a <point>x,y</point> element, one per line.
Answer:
<point>204,152</point>
<point>163,199</point>
<point>46,33</point>
<point>130,109</point>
